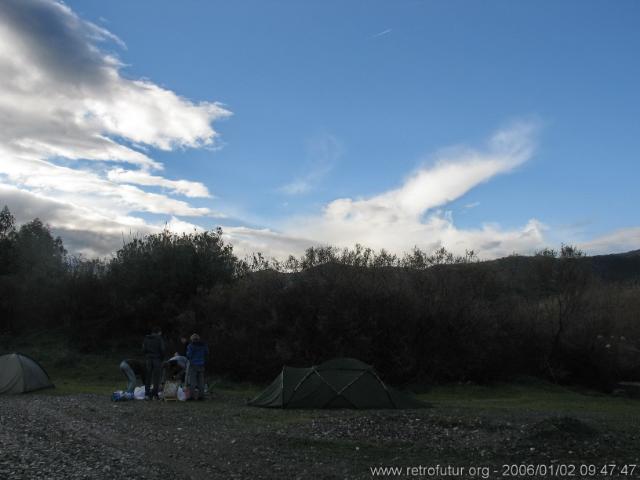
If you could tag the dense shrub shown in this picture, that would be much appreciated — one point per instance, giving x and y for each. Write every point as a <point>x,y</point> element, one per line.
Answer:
<point>418,318</point>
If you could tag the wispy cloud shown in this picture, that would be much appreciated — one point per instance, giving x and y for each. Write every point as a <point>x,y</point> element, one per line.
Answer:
<point>453,173</point>
<point>323,151</point>
<point>298,186</point>
<point>63,102</point>
<point>382,33</point>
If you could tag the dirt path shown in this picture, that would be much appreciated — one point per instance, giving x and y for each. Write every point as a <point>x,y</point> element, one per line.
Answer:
<point>87,436</point>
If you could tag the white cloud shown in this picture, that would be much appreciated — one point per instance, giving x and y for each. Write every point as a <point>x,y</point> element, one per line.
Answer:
<point>85,230</point>
<point>88,188</point>
<point>67,114</point>
<point>455,172</point>
<point>248,240</point>
<point>142,177</point>
<point>621,240</point>
<point>489,241</point>
<point>413,214</point>
<point>180,226</point>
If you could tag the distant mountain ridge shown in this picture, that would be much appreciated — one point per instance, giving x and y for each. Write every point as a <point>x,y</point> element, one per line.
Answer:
<point>615,267</point>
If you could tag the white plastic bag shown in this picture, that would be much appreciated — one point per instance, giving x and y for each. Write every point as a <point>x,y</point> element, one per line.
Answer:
<point>182,396</point>
<point>138,393</point>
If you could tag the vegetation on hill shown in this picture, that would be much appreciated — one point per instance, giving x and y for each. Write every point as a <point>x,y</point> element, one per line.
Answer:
<point>421,317</point>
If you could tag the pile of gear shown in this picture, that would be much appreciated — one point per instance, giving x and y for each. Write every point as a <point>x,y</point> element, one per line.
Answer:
<point>181,377</point>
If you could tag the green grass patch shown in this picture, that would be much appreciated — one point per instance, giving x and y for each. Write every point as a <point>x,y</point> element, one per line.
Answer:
<point>71,387</point>
<point>70,372</point>
<point>242,389</point>
<point>540,397</point>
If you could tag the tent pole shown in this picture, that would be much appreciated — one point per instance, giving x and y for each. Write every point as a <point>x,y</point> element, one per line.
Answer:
<point>385,388</point>
<point>295,389</point>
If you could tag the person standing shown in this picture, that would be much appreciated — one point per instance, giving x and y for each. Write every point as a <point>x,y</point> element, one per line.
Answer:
<point>197,352</point>
<point>131,369</point>
<point>154,351</point>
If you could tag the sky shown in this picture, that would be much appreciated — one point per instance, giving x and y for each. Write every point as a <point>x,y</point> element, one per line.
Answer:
<point>500,127</point>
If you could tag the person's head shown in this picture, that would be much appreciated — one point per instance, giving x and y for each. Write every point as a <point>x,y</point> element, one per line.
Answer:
<point>195,337</point>
<point>156,330</point>
<point>183,340</point>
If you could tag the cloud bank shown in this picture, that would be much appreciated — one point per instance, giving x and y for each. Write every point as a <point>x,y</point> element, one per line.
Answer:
<point>413,214</point>
<point>68,115</point>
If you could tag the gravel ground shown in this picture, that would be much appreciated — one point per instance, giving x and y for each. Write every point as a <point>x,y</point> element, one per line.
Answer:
<point>46,436</point>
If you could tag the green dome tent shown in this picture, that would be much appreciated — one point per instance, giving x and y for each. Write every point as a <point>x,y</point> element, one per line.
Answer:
<point>20,374</point>
<point>337,383</point>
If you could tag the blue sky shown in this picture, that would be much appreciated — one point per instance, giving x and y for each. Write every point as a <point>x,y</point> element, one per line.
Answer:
<point>351,99</point>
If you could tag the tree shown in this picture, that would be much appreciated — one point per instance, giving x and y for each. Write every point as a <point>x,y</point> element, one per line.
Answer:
<point>36,276</point>
<point>36,248</point>
<point>7,223</point>
<point>564,281</point>
<point>7,240</point>
<point>153,278</point>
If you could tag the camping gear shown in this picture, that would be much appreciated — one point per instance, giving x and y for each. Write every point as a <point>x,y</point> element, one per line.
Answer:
<point>187,393</point>
<point>120,396</point>
<point>337,383</point>
<point>20,374</point>
<point>181,395</point>
<point>138,393</point>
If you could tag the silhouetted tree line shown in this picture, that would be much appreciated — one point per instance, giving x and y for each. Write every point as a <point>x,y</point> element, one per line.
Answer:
<point>419,318</point>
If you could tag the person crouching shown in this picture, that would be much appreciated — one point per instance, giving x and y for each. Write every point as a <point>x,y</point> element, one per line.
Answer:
<point>176,368</point>
<point>131,369</point>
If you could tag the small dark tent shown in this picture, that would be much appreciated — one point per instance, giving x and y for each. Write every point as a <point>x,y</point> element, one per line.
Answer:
<point>20,374</point>
<point>337,383</point>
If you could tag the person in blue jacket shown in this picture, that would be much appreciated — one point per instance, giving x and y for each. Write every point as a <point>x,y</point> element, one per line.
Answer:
<point>197,352</point>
